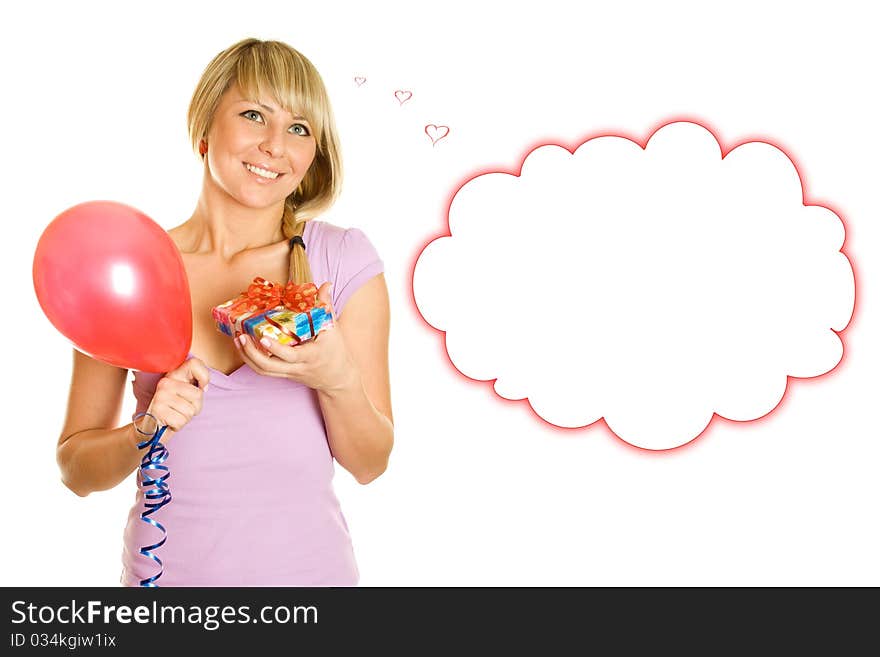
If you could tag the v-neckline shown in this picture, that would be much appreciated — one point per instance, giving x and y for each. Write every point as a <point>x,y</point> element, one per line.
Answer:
<point>215,370</point>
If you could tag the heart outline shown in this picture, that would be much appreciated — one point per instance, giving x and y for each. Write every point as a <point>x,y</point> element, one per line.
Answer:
<point>436,129</point>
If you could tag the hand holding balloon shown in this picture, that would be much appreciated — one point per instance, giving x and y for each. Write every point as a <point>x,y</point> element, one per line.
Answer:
<point>178,396</point>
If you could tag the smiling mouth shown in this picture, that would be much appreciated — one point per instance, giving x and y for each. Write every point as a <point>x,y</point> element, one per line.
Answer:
<point>262,173</point>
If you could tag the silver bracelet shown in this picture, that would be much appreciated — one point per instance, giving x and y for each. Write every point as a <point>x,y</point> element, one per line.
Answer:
<point>156,424</point>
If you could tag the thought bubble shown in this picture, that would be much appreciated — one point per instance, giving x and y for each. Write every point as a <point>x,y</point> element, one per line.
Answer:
<point>653,286</point>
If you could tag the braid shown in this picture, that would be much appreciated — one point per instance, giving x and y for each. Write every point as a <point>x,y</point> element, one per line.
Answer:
<point>299,271</point>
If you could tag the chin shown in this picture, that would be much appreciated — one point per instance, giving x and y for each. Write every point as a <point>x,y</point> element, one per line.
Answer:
<point>259,202</point>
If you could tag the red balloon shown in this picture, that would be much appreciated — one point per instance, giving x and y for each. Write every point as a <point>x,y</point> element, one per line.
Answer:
<point>113,282</point>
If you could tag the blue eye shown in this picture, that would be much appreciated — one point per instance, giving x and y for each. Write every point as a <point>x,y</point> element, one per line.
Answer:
<point>248,115</point>
<point>302,130</point>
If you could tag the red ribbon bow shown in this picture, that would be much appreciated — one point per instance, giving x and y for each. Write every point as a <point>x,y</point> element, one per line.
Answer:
<point>263,295</point>
<point>300,298</point>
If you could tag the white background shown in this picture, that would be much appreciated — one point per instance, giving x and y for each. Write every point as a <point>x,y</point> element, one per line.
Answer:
<point>479,491</point>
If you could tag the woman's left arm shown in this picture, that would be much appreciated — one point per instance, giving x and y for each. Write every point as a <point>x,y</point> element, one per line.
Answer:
<point>360,426</point>
<point>347,366</point>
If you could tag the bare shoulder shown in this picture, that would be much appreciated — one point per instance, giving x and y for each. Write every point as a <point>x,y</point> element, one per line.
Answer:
<point>95,398</point>
<point>177,235</point>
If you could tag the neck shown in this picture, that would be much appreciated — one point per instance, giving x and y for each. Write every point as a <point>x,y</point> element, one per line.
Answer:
<point>221,226</point>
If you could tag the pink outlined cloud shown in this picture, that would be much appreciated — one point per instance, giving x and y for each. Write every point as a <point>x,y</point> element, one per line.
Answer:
<point>723,152</point>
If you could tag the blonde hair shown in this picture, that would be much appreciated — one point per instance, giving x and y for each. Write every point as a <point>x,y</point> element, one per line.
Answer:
<point>274,69</point>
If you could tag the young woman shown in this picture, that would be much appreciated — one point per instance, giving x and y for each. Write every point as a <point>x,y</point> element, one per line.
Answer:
<point>259,425</point>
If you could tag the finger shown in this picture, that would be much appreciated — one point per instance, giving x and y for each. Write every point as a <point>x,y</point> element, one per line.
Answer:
<point>283,351</point>
<point>267,365</point>
<point>181,407</point>
<point>172,388</point>
<point>325,296</point>
<point>324,292</point>
<point>200,373</point>
<point>179,404</point>
<point>193,370</point>
<point>168,417</point>
<point>326,328</point>
<point>252,354</point>
<point>191,394</point>
<point>175,419</point>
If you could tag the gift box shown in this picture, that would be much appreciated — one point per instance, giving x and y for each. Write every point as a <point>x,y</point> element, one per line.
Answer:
<point>288,313</point>
<point>287,326</point>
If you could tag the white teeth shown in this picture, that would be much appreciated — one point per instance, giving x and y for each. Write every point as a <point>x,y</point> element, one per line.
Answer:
<point>262,172</point>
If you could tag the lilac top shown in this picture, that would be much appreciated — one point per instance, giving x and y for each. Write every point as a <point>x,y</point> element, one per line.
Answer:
<point>251,475</point>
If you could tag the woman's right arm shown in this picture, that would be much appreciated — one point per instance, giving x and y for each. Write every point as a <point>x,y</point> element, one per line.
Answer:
<point>92,454</point>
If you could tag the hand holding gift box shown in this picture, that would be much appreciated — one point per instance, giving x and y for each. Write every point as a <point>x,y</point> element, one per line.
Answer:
<point>290,313</point>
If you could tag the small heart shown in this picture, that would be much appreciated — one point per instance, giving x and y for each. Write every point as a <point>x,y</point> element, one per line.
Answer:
<point>402,96</point>
<point>436,132</point>
<point>359,80</point>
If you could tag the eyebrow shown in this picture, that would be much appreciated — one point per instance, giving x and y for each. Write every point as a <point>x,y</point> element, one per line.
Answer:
<point>270,110</point>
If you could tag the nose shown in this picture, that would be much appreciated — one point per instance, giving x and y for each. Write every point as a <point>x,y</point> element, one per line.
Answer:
<point>273,144</point>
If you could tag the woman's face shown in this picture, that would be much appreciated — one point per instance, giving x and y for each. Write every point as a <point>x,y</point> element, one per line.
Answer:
<point>257,151</point>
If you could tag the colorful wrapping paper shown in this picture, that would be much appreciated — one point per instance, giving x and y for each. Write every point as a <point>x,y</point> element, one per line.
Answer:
<point>288,313</point>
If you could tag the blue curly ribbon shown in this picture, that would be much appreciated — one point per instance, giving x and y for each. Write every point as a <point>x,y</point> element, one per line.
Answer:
<point>154,489</point>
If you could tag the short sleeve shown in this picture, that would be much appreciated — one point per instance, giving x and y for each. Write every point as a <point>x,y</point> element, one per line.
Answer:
<point>358,262</point>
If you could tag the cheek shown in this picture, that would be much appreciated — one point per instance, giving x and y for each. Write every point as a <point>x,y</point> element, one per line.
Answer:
<point>234,141</point>
<point>308,153</point>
